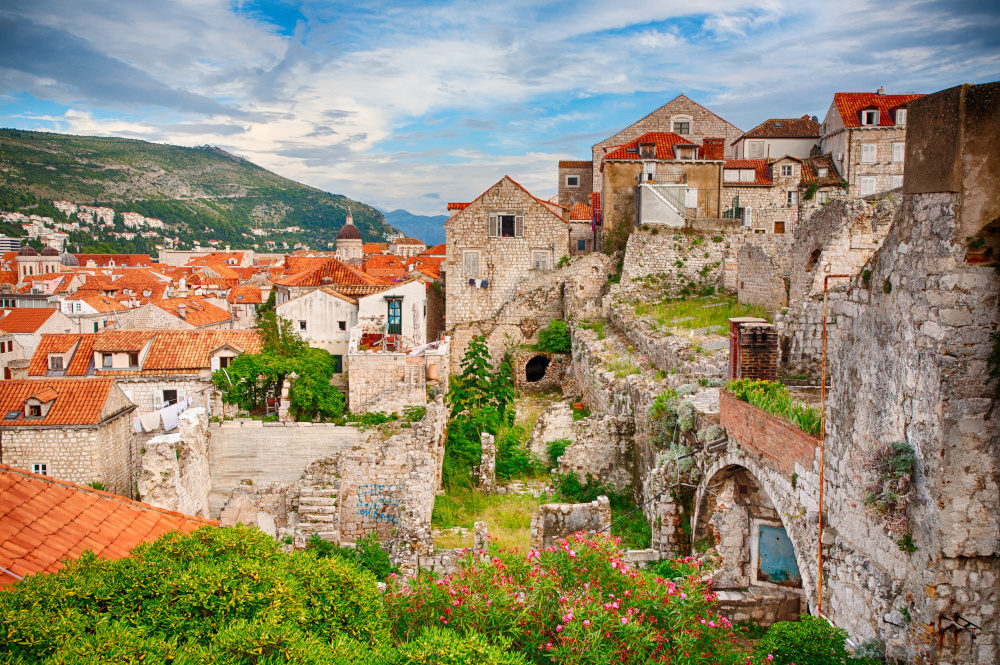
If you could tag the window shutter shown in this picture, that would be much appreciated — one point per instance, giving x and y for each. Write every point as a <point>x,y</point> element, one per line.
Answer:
<point>519,226</point>
<point>494,226</point>
<point>215,364</point>
<point>868,152</point>
<point>691,198</point>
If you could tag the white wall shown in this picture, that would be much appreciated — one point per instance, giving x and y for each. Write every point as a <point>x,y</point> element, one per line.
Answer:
<point>414,295</point>
<point>322,313</point>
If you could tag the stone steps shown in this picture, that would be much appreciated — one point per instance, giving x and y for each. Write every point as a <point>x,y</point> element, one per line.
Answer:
<point>316,501</point>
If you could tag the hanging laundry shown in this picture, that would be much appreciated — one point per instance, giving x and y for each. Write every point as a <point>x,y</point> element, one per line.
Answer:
<point>137,425</point>
<point>169,415</point>
<point>150,421</point>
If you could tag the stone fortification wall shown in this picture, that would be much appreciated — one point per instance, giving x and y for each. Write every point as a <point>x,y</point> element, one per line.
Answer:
<point>763,271</point>
<point>558,520</point>
<point>909,363</point>
<point>175,467</point>
<point>671,260</point>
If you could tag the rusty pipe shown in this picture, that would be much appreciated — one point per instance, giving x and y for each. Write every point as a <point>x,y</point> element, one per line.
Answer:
<point>822,453</point>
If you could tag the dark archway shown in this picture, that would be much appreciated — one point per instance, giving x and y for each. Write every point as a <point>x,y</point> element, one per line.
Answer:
<point>534,371</point>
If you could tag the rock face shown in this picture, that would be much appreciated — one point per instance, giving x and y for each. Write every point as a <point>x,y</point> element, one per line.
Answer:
<point>175,467</point>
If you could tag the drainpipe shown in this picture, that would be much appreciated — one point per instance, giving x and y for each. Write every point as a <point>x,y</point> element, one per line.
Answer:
<point>822,453</point>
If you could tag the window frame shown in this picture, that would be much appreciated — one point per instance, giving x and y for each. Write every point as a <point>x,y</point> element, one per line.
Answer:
<point>684,121</point>
<point>581,244</point>
<point>53,363</point>
<point>871,148</point>
<point>869,113</point>
<point>862,180</point>
<point>900,117</point>
<point>496,221</point>
<point>898,146</point>
<point>303,325</point>
<point>543,254</point>
<point>791,198</point>
<point>787,170</point>
<point>572,184</point>
<point>33,411</point>
<point>167,401</point>
<point>466,255</point>
<point>107,359</point>
<point>40,468</point>
<point>755,150</point>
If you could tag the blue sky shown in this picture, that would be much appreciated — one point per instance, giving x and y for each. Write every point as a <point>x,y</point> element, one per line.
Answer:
<point>414,104</point>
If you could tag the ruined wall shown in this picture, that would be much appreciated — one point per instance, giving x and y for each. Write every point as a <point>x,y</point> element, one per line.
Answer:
<point>175,467</point>
<point>552,378</point>
<point>908,363</point>
<point>386,382</point>
<point>558,520</point>
<point>763,275</point>
<point>674,259</point>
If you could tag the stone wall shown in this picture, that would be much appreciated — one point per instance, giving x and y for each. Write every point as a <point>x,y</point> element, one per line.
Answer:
<point>762,277</point>
<point>175,467</point>
<point>555,365</point>
<point>386,382</point>
<point>775,441</point>
<point>674,259</point>
<point>568,195</point>
<point>558,520</point>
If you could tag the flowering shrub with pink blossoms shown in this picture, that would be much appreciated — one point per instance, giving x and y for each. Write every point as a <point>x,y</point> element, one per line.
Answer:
<point>576,602</point>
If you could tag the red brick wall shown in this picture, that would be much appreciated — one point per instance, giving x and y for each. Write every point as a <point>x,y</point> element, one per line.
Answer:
<point>758,354</point>
<point>777,442</point>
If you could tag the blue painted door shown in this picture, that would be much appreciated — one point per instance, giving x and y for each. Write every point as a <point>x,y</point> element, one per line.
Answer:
<point>776,557</point>
<point>395,317</point>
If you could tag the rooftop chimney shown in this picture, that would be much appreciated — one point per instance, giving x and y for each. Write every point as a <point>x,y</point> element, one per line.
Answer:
<point>880,91</point>
<point>713,148</point>
<point>182,310</point>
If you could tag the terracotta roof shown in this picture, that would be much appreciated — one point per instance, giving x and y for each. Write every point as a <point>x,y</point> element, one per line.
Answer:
<point>784,128</point>
<point>26,319</point>
<point>190,349</point>
<point>77,401</point>
<point>429,265</point>
<point>811,166</point>
<point>761,167</point>
<point>664,142</point>
<point>44,521</point>
<point>850,105</point>
<point>385,266</point>
<point>457,206</point>
<point>245,295</point>
<point>119,259</point>
<point>8,277</point>
<point>102,304</point>
<point>436,250</point>
<point>197,311</point>
<point>339,273</point>
<point>575,165</point>
<point>215,257</point>
<point>407,241</point>
<point>581,211</point>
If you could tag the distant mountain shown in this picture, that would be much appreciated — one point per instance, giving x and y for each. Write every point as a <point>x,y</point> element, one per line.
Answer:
<point>429,228</point>
<point>202,193</point>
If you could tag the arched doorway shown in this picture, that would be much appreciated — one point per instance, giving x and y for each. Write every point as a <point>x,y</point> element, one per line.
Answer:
<point>534,370</point>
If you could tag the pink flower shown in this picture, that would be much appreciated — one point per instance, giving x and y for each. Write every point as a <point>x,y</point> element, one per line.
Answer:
<point>586,622</point>
<point>624,621</point>
<point>559,628</point>
<point>769,658</point>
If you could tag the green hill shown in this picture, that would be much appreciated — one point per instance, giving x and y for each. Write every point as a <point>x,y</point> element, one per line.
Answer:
<point>203,192</point>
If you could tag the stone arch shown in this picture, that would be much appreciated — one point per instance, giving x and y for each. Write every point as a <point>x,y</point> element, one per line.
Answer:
<point>777,493</point>
<point>534,370</point>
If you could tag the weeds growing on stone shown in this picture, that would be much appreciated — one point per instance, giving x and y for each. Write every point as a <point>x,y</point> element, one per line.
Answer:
<point>698,312</point>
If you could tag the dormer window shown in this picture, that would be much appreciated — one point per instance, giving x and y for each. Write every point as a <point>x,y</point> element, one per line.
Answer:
<point>133,359</point>
<point>647,150</point>
<point>822,173</point>
<point>106,360</point>
<point>34,411</point>
<point>869,117</point>
<point>900,117</point>
<point>55,363</point>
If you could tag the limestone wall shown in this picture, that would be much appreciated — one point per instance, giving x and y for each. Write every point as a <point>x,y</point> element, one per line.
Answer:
<point>175,467</point>
<point>763,271</point>
<point>558,520</point>
<point>674,259</point>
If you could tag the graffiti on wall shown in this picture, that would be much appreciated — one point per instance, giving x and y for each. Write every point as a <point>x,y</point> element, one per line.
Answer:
<point>378,501</point>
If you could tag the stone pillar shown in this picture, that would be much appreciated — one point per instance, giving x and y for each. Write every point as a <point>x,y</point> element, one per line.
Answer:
<point>285,402</point>
<point>488,463</point>
<point>480,536</point>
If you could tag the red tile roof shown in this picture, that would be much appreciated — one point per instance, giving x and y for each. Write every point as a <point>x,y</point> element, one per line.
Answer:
<point>119,259</point>
<point>664,142</point>
<point>850,105</point>
<point>197,311</point>
<point>44,521</point>
<point>428,265</point>
<point>102,304</point>
<point>784,128</point>
<point>761,167</point>
<point>457,206</point>
<point>77,401</point>
<point>375,248</point>
<point>26,319</point>
<point>581,211</point>
<point>245,295</point>
<point>575,165</point>
<point>811,166</point>
<point>407,241</point>
<point>339,274</point>
<point>384,266</point>
<point>436,250</point>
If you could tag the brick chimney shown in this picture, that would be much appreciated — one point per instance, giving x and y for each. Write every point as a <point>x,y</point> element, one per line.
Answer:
<point>713,148</point>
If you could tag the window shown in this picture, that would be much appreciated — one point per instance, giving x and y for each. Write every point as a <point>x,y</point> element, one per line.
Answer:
<point>55,362</point>
<point>338,364</point>
<point>897,181</point>
<point>572,181</point>
<point>866,186</point>
<point>786,169</point>
<point>898,151</point>
<point>225,361</point>
<point>869,153</point>
<point>395,316</point>
<point>792,198</point>
<point>779,227</point>
<point>106,359</point>
<point>342,325</point>
<point>34,411</point>
<point>504,225</point>
<point>95,326</point>
<point>581,245</point>
<point>540,260</point>
<point>40,469</point>
<point>471,262</point>
<point>822,197</point>
<point>169,397</point>
<point>691,198</point>
<point>755,150</point>
<point>133,359</point>
<point>302,325</point>
<point>682,127</point>
<point>731,175</point>
<point>79,306</point>
<point>822,172</point>
<point>901,117</point>
<point>748,175</point>
<point>869,117</point>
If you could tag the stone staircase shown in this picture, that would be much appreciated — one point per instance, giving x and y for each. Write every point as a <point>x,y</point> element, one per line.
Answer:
<point>318,514</point>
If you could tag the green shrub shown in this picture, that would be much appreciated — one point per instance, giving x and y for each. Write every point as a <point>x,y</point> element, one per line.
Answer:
<point>555,449</point>
<point>671,569</point>
<point>554,338</point>
<point>808,641</point>
<point>446,647</point>
<point>414,414</point>
<point>367,553</point>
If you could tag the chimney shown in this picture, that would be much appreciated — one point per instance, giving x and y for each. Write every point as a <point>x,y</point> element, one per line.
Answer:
<point>18,369</point>
<point>880,91</point>
<point>713,148</point>
<point>182,310</point>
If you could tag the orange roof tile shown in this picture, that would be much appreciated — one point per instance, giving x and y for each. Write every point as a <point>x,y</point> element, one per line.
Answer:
<point>77,401</point>
<point>664,143</point>
<point>785,128</point>
<point>44,521</point>
<point>375,248</point>
<point>436,250</point>
<point>119,259</point>
<point>457,206</point>
<point>429,265</point>
<point>576,164</point>
<point>245,295</point>
<point>581,211</point>
<point>26,319</point>
<point>761,167</point>
<point>850,105</point>
<point>339,273</point>
<point>384,266</point>
<point>197,311</point>
<point>811,166</point>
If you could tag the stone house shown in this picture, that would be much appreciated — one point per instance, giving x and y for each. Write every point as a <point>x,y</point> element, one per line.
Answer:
<point>660,178</point>
<point>155,368</point>
<point>243,302</point>
<point>763,193</point>
<point>306,273</point>
<point>775,137</point>
<point>502,238</point>
<point>680,116</point>
<point>820,183</point>
<point>576,182</point>
<point>73,429</point>
<point>581,229</point>
<point>193,312</point>
<point>27,325</point>
<point>866,134</point>
<point>406,247</point>
<point>12,355</point>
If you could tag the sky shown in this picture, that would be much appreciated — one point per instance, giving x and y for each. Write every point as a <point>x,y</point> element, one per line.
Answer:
<point>414,104</point>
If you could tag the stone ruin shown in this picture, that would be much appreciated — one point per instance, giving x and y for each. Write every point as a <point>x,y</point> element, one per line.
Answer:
<point>558,520</point>
<point>175,467</point>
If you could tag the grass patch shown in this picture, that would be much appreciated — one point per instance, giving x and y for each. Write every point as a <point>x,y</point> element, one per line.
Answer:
<point>772,397</point>
<point>623,366</point>
<point>507,516</point>
<point>698,312</point>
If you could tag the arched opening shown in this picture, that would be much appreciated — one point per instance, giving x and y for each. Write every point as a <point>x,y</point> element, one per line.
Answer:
<point>813,258</point>
<point>534,371</point>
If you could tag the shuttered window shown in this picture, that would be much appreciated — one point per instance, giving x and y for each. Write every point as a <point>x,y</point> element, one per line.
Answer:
<point>898,151</point>
<point>691,198</point>
<point>867,186</point>
<point>471,260</point>
<point>869,153</point>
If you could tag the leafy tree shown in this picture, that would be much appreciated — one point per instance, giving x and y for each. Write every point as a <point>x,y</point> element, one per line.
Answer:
<point>473,389</point>
<point>554,338</point>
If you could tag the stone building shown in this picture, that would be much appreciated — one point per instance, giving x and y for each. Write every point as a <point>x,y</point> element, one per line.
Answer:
<point>30,262</point>
<point>27,325</point>
<point>406,247</point>
<point>72,429</point>
<point>349,243</point>
<point>504,237</point>
<point>776,137</point>
<point>582,229</point>
<point>866,134</point>
<point>763,193</point>
<point>576,182</point>
<point>155,369</point>
<point>305,273</point>
<point>243,302</point>
<point>680,116</point>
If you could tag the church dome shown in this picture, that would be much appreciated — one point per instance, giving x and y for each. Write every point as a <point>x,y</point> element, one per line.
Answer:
<point>349,232</point>
<point>68,259</point>
<point>50,251</point>
<point>27,250</point>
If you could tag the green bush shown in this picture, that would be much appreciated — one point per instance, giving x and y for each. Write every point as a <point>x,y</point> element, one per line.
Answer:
<point>554,338</point>
<point>446,647</point>
<point>367,553</point>
<point>555,449</point>
<point>808,641</point>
